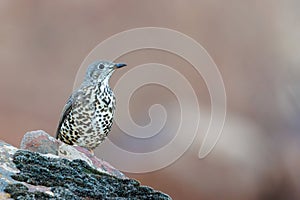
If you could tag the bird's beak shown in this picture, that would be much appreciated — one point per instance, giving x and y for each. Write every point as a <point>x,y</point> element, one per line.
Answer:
<point>119,65</point>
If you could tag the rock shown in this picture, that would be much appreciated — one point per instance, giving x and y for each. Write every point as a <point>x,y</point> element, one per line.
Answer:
<point>39,141</point>
<point>7,167</point>
<point>50,174</point>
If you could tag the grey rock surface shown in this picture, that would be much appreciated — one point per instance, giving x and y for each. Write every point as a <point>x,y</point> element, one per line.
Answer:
<point>31,175</point>
<point>41,142</point>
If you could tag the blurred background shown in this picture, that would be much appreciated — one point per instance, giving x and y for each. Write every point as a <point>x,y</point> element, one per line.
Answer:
<point>254,43</point>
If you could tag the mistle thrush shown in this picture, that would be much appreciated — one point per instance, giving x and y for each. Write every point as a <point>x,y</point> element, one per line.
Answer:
<point>88,114</point>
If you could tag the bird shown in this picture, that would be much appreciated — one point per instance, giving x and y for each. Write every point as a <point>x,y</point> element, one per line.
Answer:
<point>88,115</point>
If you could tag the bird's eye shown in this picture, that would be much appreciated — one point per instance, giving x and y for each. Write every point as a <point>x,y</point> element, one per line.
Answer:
<point>101,66</point>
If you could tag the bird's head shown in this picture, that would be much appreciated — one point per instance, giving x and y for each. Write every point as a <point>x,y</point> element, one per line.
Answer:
<point>101,70</point>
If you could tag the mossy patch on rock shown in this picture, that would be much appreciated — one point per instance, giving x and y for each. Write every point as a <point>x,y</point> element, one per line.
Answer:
<point>71,180</point>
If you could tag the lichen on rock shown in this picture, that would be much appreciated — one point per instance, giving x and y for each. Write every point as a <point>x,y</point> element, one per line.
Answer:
<point>33,175</point>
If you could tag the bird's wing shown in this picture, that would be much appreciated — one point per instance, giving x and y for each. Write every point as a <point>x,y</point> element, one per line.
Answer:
<point>67,109</point>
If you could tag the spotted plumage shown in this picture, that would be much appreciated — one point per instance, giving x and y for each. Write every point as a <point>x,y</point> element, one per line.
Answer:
<point>88,114</point>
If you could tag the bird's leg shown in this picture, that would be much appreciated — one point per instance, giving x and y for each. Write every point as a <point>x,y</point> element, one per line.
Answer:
<point>91,151</point>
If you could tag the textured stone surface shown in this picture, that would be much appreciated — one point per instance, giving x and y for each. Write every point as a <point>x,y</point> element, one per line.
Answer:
<point>31,175</point>
<point>39,141</point>
<point>7,167</point>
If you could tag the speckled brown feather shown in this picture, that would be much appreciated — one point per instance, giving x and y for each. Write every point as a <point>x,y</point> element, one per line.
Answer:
<point>88,114</point>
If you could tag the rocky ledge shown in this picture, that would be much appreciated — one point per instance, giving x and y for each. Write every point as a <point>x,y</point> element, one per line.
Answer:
<point>45,168</point>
